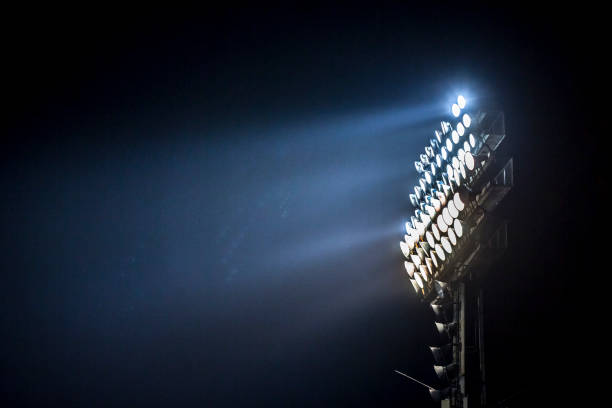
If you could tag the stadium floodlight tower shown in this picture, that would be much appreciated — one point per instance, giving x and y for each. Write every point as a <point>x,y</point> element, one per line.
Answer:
<point>453,237</point>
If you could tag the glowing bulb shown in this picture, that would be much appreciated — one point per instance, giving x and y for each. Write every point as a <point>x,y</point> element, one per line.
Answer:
<point>447,245</point>
<point>461,101</point>
<point>458,227</point>
<point>438,160</point>
<point>415,285</point>
<point>448,220</point>
<point>472,140</point>
<point>434,259</point>
<point>409,268</point>
<point>449,144</point>
<point>466,146</point>
<point>436,231</point>
<point>443,153</point>
<point>423,270</point>
<point>405,249</point>
<point>452,210</point>
<point>460,205</point>
<point>469,161</point>
<point>418,280</point>
<point>456,110</point>
<point>461,155</point>
<point>467,120</point>
<point>455,163</point>
<point>440,252</point>
<point>452,237</point>
<point>460,129</point>
<point>430,238</point>
<point>441,224</point>
<point>455,136</point>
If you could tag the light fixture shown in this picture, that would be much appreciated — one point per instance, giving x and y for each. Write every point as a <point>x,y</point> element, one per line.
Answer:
<point>419,281</point>
<point>415,286</point>
<point>472,140</point>
<point>440,252</point>
<point>436,232</point>
<point>452,210</point>
<point>449,144</point>
<point>439,395</point>
<point>448,372</point>
<point>447,245</point>
<point>452,237</point>
<point>460,129</point>
<point>458,227</point>
<point>430,238</point>
<point>447,329</point>
<point>443,354</point>
<point>423,271</point>
<point>467,120</point>
<point>461,101</point>
<point>455,137</point>
<point>448,220</point>
<point>455,110</point>
<point>409,268</point>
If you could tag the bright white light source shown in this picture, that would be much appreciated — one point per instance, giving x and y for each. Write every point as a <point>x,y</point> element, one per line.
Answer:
<point>441,224</point>
<point>438,161</point>
<point>423,270</point>
<point>467,120</point>
<point>448,220</point>
<point>461,101</point>
<point>452,210</point>
<point>434,259</point>
<point>440,252</point>
<point>452,237</point>
<point>458,227</point>
<point>428,178</point>
<point>420,253</point>
<point>449,144</point>
<point>469,161</point>
<point>460,205</point>
<point>443,153</point>
<point>455,163</point>
<point>415,259</point>
<point>436,231</point>
<point>417,192</point>
<point>409,268</point>
<point>457,177</point>
<point>461,155</point>
<point>456,110</point>
<point>472,140</point>
<point>430,265</point>
<point>418,280</point>
<point>430,238</point>
<point>455,136</point>
<point>466,146</point>
<point>438,136</point>
<point>415,286</point>
<point>446,245</point>
<point>460,129</point>
<point>405,249</point>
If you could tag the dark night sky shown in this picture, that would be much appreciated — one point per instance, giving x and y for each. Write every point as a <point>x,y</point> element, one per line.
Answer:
<point>204,209</point>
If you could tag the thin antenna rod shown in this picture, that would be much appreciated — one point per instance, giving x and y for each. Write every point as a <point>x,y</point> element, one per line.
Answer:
<point>417,381</point>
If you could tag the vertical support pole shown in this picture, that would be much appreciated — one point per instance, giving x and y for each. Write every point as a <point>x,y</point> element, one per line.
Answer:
<point>481,350</point>
<point>461,334</point>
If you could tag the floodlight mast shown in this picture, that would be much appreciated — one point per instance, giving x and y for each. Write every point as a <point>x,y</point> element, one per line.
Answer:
<point>453,238</point>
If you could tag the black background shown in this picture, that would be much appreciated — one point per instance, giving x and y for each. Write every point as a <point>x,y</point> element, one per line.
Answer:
<point>138,143</point>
